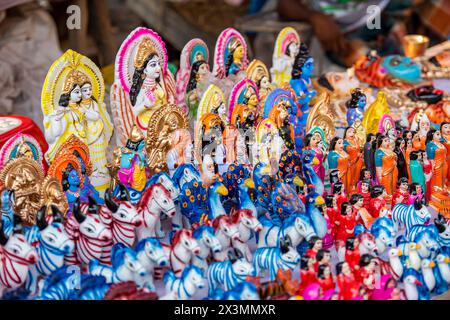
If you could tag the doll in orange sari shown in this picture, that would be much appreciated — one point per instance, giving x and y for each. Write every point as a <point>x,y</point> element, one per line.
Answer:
<point>355,157</point>
<point>339,159</point>
<point>421,124</point>
<point>437,153</point>
<point>386,164</point>
<point>445,133</point>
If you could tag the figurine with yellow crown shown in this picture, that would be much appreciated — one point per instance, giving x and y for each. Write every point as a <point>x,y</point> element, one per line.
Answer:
<point>72,103</point>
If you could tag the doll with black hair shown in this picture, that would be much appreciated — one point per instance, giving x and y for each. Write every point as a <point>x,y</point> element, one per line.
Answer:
<point>377,201</point>
<point>416,169</point>
<point>198,71</point>
<point>307,272</point>
<point>352,254</point>
<point>315,244</point>
<point>356,106</point>
<point>339,193</point>
<point>362,214</point>
<point>348,286</point>
<point>323,257</point>
<point>325,277</point>
<point>364,191</point>
<point>369,154</point>
<point>366,273</point>
<point>331,212</point>
<point>346,225</point>
<point>355,157</point>
<point>401,195</point>
<point>416,191</point>
<point>400,151</point>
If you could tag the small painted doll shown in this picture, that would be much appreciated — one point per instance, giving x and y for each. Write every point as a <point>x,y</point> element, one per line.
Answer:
<point>352,254</point>
<point>339,193</point>
<point>339,159</point>
<point>323,257</point>
<point>437,153</point>
<point>366,273</point>
<point>400,151</point>
<point>348,286</point>
<point>369,154</point>
<point>377,201</point>
<point>386,164</point>
<point>307,272</point>
<point>366,185</point>
<point>356,106</point>
<point>331,213</point>
<point>401,195</point>
<point>416,169</point>
<point>428,171</point>
<point>334,177</point>
<point>355,157</point>
<point>362,214</point>
<point>346,224</point>
<point>325,277</point>
<point>445,133</point>
<point>409,149</point>
<point>365,174</point>
<point>315,244</point>
<point>416,191</point>
<point>311,142</point>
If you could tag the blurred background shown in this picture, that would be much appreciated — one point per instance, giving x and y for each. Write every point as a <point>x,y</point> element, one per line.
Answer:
<point>33,33</point>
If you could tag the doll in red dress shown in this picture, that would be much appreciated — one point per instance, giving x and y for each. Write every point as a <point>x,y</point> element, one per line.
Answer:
<point>346,224</point>
<point>362,214</point>
<point>352,255</point>
<point>363,176</point>
<point>348,286</point>
<point>331,213</point>
<point>323,256</point>
<point>307,272</point>
<point>377,201</point>
<point>401,195</point>
<point>366,273</point>
<point>325,277</point>
<point>339,193</point>
<point>364,191</point>
<point>315,244</point>
<point>428,171</point>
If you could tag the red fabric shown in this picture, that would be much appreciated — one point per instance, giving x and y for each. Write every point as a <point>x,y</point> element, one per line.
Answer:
<point>348,287</point>
<point>376,205</point>
<point>311,253</point>
<point>327,284</point>
<point>398,194</point>
<point>346,227</point>
<point>427,168</point>
<point>27,126</point>
<point>352,257</point>
<point>366,202</point>
<point>307,277</point>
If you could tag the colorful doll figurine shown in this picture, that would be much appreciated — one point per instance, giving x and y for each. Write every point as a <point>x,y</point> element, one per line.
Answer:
<point>416,169</point>
<point>401,195</point>
<point>258,73</point>
<point>416,191</point>
<point>307,272</point>
<point>365,174</point>
<point>338,191</point>
<point>286,49</point>
<point>364,191</point>
<point>386,164</point>
<point>355,157</point>
<point>72,103</point>
<point>280,116</point>
<point>352,254</point>
<point>346,225</point>
<point>362,214</point>
<point>312,141</point>
<point>437,153</point>
<point>356,106</point>
<point>331,213</point>
<point>428,172</point>
<point>230,55</point>
<point>323,257</point>
<point>348,286</point>
<point>315,244</point>
<point>445,133</point>
<point>142,82</point>
<point>269,145</point>
<point>377,201</point>
<point>369,154</point>
<point>366,273</point>
<point>325,277</point>
<point>420,124</point>
<point>339,159</point>
<point>194,68</point>
<point>400,151</point>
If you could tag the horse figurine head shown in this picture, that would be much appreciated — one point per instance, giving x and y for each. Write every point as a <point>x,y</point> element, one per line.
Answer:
<point>125,263</point>
<point>53,236</point>
<point>156,199</point>
<point>225,227</point>
<point>184,238</point>
<point>443,228</point>
<point>367,244</point>
<point>153,251</point>
<point>241,267</point>
<point>421,211</point>
<point>90,225</point>
<point>428,240</point>
<point>246,218</point>
<point>169,183</point>
<point>205,235</point>
<point>242,291</point>
<point>384,238</point>
<point>301,224</point>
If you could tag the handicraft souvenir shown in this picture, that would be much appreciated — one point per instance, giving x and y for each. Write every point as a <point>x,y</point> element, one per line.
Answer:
<point>286,49</point>
<point>375,112</point>
<point>72,103</point>
<point>259,74</point>
<point>142,82</point>
<point>194,67</point>
<point>21,145</point>
<point>320,116</point>
<point>53,195</point>
<point>24,176</point>
<point>230,54</point>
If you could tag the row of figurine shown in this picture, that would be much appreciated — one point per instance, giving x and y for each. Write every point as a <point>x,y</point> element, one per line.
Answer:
<point>232,233</point>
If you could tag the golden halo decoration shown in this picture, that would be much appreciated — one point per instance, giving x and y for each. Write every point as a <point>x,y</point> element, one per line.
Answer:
<point>164,120</point>
<point>60,164</point>
<point>210,99</point>
<point>24,176</point>
<point>72,144</point>
<point>256,70</point>
<point>52,193</point>
<point>321,116</point>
